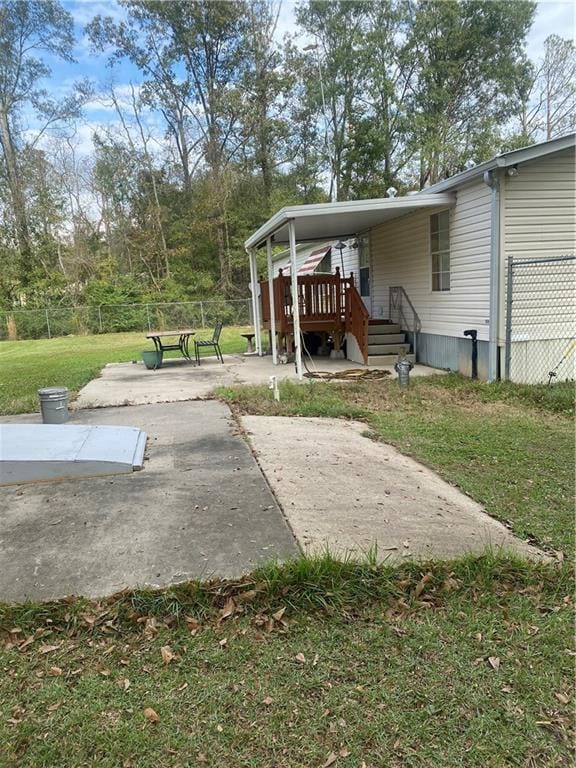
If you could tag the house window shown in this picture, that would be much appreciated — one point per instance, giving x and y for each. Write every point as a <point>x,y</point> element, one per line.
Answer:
<point>364,265</point>
<point>440,250</point>
<point>325,266</point>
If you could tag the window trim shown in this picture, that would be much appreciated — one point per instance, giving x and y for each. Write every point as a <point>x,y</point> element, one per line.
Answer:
<point>431,253</point>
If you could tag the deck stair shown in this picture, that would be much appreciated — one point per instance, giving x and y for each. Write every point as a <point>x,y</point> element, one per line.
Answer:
<point>386,341</point>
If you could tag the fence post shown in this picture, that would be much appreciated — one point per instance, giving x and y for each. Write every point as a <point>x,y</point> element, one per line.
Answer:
<point>99,318</point>
<point>148,318</point>
<point>508,347</point>
<point>203,319</point>
<point>48,323</point>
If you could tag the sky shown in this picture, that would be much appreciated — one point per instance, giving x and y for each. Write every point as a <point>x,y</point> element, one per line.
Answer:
<point>552,16</point>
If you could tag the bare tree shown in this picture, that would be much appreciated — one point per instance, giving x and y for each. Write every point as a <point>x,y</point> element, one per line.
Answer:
<point>549,105</point>
<point>27,30</point>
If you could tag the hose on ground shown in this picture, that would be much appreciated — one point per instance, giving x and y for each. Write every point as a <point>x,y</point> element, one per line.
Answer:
<point>351,374</point>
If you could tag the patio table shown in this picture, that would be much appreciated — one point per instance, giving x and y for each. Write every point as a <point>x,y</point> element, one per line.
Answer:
<point>183,337</point>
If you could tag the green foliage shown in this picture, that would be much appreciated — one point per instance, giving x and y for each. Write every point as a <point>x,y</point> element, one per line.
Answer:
<point>470,62</point>
<point>396,93</point>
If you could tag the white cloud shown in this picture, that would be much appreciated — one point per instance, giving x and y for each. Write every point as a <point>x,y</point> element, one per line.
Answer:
<point>83,11</point>
<point>552,17</point>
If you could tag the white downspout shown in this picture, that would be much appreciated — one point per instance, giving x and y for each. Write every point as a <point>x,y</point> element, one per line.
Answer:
<point>295,304</point>
<point>493,182</point>
<point>271,300</point>
<point>255,302</point>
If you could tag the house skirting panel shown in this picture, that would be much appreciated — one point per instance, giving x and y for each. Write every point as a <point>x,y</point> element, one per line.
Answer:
<point>452,353</point>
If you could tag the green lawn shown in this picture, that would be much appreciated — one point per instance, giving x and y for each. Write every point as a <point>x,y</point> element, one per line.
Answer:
<point>320,662</point>
<point>470,666</point>
<point>71,361</point>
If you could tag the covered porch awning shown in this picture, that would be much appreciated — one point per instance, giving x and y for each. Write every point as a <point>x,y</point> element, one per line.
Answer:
<point>323,221</point>
<point>309,266</point>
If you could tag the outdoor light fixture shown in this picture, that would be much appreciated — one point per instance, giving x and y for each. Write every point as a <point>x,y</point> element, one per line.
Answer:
<point>340,245</point>
<point>512,171</point>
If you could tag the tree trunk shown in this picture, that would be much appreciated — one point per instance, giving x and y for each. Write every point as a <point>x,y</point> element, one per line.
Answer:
<point>184,152</point>
<point>263,151</point>
<point>17,195</point>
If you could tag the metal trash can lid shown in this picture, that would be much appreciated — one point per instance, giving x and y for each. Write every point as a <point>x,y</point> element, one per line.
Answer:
<point>52,393</point>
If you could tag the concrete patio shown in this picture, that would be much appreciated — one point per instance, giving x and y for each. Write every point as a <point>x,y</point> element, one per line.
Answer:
<point>200,507</point>
<point>133,384</point>
<point>343,491</point>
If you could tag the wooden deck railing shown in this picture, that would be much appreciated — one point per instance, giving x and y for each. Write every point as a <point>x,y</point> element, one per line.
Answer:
<point>357,317</point>
<point>327,303</point>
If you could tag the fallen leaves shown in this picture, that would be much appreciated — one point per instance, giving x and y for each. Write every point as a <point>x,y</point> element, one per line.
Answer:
<point>268,700</point>
<point>193,625</point>
<point>167,654</point>
<point>562,697</point>
<point>300,658</point>
<point>421,586</point>
<point>151,715</point>
<point>332,757</point>
<point>247,596</point>
<point>228,610</point>
<point>47,648</point>
<point>494,662</point>
<point>278,615</point>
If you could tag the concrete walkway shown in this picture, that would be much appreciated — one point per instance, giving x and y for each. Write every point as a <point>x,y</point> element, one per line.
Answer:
<point>200,507</point>
<point>133,384</point>
<point>340,489</point>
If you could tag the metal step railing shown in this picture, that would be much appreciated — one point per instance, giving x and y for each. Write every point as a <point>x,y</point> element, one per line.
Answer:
<point>403,312</point>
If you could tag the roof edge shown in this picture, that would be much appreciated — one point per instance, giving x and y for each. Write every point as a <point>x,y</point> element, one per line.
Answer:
<point>505,160</point>
<point>284,215</point>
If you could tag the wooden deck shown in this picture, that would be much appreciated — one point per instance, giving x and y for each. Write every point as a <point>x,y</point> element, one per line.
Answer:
<point>327,303</point>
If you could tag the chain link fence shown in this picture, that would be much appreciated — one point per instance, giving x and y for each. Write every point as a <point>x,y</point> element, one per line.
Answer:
<point>116,318</point>
<point>541,320</point>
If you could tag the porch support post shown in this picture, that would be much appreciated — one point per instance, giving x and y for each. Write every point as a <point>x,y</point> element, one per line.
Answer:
<point>255,302</point>
<point>271,300</point>
<point>295,303</point>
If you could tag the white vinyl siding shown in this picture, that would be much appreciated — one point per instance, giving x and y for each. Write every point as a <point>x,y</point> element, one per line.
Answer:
<point>539,221</point>
<point>349,259</point>
<point>401,257</point>
<point>539,208</point>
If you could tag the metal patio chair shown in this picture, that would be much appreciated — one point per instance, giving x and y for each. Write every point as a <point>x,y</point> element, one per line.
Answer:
<point>213,343</point>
